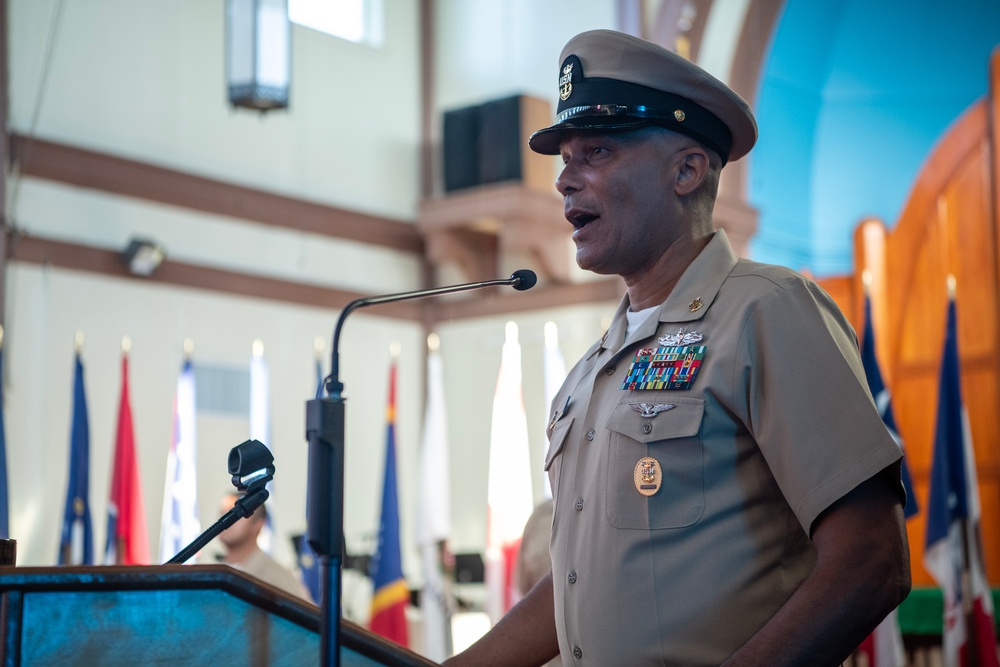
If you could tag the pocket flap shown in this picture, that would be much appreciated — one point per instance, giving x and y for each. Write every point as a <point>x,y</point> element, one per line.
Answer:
<point>658,417</point>
<point>557,440</point>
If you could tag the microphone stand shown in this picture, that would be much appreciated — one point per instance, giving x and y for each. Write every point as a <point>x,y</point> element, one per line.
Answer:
<point>325,433</point>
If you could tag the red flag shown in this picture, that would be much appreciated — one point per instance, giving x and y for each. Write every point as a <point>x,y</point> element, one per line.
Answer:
<point>128,542</point>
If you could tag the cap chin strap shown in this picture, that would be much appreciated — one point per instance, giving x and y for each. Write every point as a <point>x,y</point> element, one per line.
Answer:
<point>590,98</point>
<point>603,122</point>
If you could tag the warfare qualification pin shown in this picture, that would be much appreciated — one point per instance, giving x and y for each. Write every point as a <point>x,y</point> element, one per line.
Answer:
<point>649,410</point>
<point>681,338</point>
<point>647,476</point>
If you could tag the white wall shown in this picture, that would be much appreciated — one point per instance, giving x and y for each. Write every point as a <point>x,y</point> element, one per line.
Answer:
<point>145,79</point>
<point>488,50</point>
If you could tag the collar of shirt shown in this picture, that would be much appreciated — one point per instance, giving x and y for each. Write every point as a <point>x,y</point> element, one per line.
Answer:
<point>701,281</point>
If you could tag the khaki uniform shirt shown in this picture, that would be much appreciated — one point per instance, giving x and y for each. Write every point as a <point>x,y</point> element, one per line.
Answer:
<point>258,564</point>
<point>777,425</point>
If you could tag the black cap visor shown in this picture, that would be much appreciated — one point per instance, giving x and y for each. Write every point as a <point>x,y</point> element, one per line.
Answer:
<point>546,141</point>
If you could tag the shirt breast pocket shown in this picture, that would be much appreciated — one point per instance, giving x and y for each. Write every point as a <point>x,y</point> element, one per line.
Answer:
<point>644,426</point>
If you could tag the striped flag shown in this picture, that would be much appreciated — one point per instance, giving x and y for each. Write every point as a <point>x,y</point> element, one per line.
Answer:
<point>554,367</point>
<point>76,546</point>
<point>391,594</point>
<point>180,524</point>
<point>954,550</point>
<point>128,541</point>
<point>434,514</point>
<point>260,429</point>
<point>509,493</point>
<point>884,646</point>
<point>4,507</point>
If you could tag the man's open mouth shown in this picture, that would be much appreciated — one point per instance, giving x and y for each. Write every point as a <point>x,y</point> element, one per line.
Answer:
<point>580,219</point>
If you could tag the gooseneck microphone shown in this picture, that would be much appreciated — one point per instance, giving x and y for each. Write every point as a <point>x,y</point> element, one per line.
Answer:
<point>252,467</point>
<point>325,433</point>
<point>521,280</point>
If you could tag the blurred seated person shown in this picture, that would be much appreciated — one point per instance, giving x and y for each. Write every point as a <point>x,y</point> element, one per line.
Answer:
<point>242,552</point>
<point>533,559</point>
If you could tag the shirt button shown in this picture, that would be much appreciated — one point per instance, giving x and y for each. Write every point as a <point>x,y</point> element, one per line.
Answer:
<point>572,577</point>
<point>579,504</point>
<point>577,652</point>
<point>610,371</point>
<point>591,434</point>
<point>647,428</point>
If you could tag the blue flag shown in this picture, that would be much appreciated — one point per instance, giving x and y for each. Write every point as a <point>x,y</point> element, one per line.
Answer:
<point>391,593</point>
<point>4,507</point>
<point>953,551</point>
<point>883,402</point>
<point>76,546</point>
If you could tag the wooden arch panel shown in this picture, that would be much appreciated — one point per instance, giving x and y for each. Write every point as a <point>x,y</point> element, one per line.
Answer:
<point>947,227</point>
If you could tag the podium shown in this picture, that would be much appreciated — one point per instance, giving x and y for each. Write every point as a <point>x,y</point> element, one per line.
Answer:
<point>168,615</point>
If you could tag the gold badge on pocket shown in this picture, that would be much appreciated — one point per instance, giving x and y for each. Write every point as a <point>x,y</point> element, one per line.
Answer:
<point>647,476</point>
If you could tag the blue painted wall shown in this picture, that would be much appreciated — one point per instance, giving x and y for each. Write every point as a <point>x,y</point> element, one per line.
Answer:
<point>853,98</point>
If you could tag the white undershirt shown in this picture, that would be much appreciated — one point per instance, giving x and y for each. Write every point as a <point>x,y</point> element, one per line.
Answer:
<point>636,318</point>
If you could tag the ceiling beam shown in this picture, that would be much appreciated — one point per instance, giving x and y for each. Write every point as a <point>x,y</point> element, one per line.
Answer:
<point>489,303</point>
<point>85,168</point>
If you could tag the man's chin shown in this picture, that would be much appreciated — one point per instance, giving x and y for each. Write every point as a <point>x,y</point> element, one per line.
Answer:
<point>592,264</point>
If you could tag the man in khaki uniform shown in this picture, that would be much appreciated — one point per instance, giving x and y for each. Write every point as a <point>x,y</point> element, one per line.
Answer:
<point>725,492</point>
<point>242,552</point>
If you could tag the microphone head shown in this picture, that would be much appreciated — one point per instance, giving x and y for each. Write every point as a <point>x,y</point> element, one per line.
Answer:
<point>523,279</point>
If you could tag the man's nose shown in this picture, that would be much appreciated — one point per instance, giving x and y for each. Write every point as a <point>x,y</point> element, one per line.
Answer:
<point>568,180</point>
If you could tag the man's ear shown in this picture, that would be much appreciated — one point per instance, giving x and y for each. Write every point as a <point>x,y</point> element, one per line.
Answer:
<point>693,169</point>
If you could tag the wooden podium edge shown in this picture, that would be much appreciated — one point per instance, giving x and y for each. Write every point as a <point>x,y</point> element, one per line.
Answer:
<point>202,577</point>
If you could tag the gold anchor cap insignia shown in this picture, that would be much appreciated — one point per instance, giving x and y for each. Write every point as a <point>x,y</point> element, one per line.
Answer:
<point>566,82</point>
<point>647,476</point>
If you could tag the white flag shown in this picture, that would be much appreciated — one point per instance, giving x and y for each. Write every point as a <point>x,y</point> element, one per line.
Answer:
<point>260,428</point>
<point>433,526</point>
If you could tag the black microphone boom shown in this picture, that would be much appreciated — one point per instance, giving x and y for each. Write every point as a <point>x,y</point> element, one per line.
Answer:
<point>325,433</point>
<point>522,279</point>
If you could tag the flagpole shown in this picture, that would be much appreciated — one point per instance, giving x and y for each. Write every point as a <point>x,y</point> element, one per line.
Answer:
<point>971,641</point>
